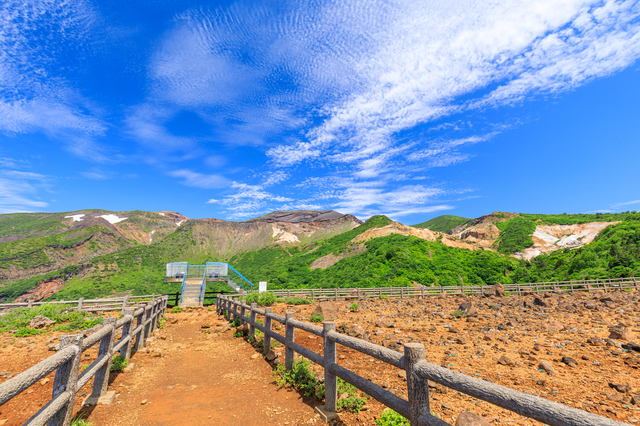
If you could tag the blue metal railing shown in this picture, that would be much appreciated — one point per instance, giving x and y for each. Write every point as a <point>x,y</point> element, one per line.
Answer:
<point>209,270</point>
<point>242,277</point>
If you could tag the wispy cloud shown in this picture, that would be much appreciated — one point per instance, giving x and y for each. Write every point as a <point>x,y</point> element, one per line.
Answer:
<point>35,94</point>
<point>17,195</point>
<point>345,81</point>
<point>627,203</point>
<point>200,180</point>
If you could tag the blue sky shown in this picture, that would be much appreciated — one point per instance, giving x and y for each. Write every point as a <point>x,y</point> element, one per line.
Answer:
<point>234,109</point>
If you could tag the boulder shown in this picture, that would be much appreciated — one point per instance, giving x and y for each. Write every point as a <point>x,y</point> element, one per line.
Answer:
<point>546,366</point>
<point>505,360</point>
<point>327,310</point>
<point>621,334</point>
<point>468,309</point>
<point>356,331</point>
<point>40,322</point>
<point>553,327</point>
<point>469,419</point>
<point>495,290</point>
<point>383,322</point>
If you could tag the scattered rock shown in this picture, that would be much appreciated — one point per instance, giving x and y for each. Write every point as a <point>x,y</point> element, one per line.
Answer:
<point>469,419</point>
<point>255,356</point>
<point>6,375</point>
<point>271,355</point>
<point>44,381</point>
<point>327,310</point>
<point>620,387</point>
<point>468,309</point>
<point>382,322</point>
<point>494,290</point>
<point>40,322</point>
<point>621,334</point>
<point>616,397</point>
<point>553,326</point>
<point>569,361</point>
<point>505,360</point>
<point>402,374</point>
<point>631,346</point>
<point>143,402</point>
<point>546,366</point>
<point>539,302</point>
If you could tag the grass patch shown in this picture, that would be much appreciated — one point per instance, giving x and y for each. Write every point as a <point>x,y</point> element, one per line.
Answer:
<point>301,378</point>
<point>354,307</point>
<point>316,318</point>
<point>262,299</point>
<point>118,363</point>
<point>296,301</point>
<point>19,318</point>
<point>391,418</point>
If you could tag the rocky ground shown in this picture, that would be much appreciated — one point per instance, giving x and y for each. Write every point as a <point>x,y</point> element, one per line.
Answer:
<point>579,350</point>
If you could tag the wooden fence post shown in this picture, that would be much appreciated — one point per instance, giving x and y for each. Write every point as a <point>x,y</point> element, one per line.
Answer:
<point>336,294</point>
<point>312,295</point>
<point>30,303</point>
<point>330,380</point>
<point>401,292</point>
<point>80,302</point>
<point>243,318</point>
<point>422,292</point>
<point>140,334</point>
<point>124,303</point>
<point>125,351</point>
<point>66,379</point>
<point>635,283</point>
<point>289,339</point>
<point>228,306</point>
<point>358,293</point>
<point>154,310</point>
<point>417,388</point>
<point>267,328</point>
<point>101,379</point>
<point>252,329</point>
<point>147,327</point>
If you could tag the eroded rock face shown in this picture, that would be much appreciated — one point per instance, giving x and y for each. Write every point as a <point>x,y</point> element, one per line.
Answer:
<point>327,310</point>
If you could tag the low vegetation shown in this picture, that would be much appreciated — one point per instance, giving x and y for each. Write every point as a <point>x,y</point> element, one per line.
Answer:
<point>444,223</point>
<point>391,418</point>
<point>515,235</point>
<point>66,320</point>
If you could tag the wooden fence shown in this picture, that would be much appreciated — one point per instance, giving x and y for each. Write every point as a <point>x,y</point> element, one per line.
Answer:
<point>89,305</point>
<point>66,362</point>
<point>605,285</point>
<point>417,407</point>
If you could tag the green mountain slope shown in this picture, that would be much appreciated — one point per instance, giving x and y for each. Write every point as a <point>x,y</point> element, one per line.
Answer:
<point>444,223</point>
<point>111,259</point>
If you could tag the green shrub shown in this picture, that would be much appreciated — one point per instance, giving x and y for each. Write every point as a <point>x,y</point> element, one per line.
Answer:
<point>459,314</point>
<point>316,318</point>
<point>296,301</point>
<point>391,418</point>
<point>300,377</point>
<point>235,322</point>
<point>18,319</point>
<point>352,403</point>
<point>80,420</point>
<point>354,307</point>
<point>262,299</point>
<point>176,310</point>
<point>26,331</point>
<point>384,297</point>
<point>118,363</point>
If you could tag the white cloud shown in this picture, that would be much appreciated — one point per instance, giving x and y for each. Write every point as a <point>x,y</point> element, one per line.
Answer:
<point>35,96</point>
<point>628,203</point>
<point>199,180</point>
<point>18,196</point>
<point>94,175</point>
<point>346,80</point>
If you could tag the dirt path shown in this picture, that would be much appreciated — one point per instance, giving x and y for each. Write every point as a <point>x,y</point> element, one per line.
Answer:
<point>189,377</point>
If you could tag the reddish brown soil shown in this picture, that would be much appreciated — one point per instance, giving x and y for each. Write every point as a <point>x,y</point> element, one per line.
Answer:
<point>189,376</point>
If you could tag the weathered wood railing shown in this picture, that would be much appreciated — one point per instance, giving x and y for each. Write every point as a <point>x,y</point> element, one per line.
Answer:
<point>66,362</point>
<point>422,291</point>
<point>416,407</point>
<point>89,305</point>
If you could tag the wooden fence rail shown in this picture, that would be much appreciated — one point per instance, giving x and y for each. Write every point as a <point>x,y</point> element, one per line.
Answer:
<point>422,291</point>
<point>66,362</point>
<point>416,407</point>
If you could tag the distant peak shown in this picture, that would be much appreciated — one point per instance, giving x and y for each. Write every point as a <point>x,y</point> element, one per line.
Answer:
<point>296,216</point>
